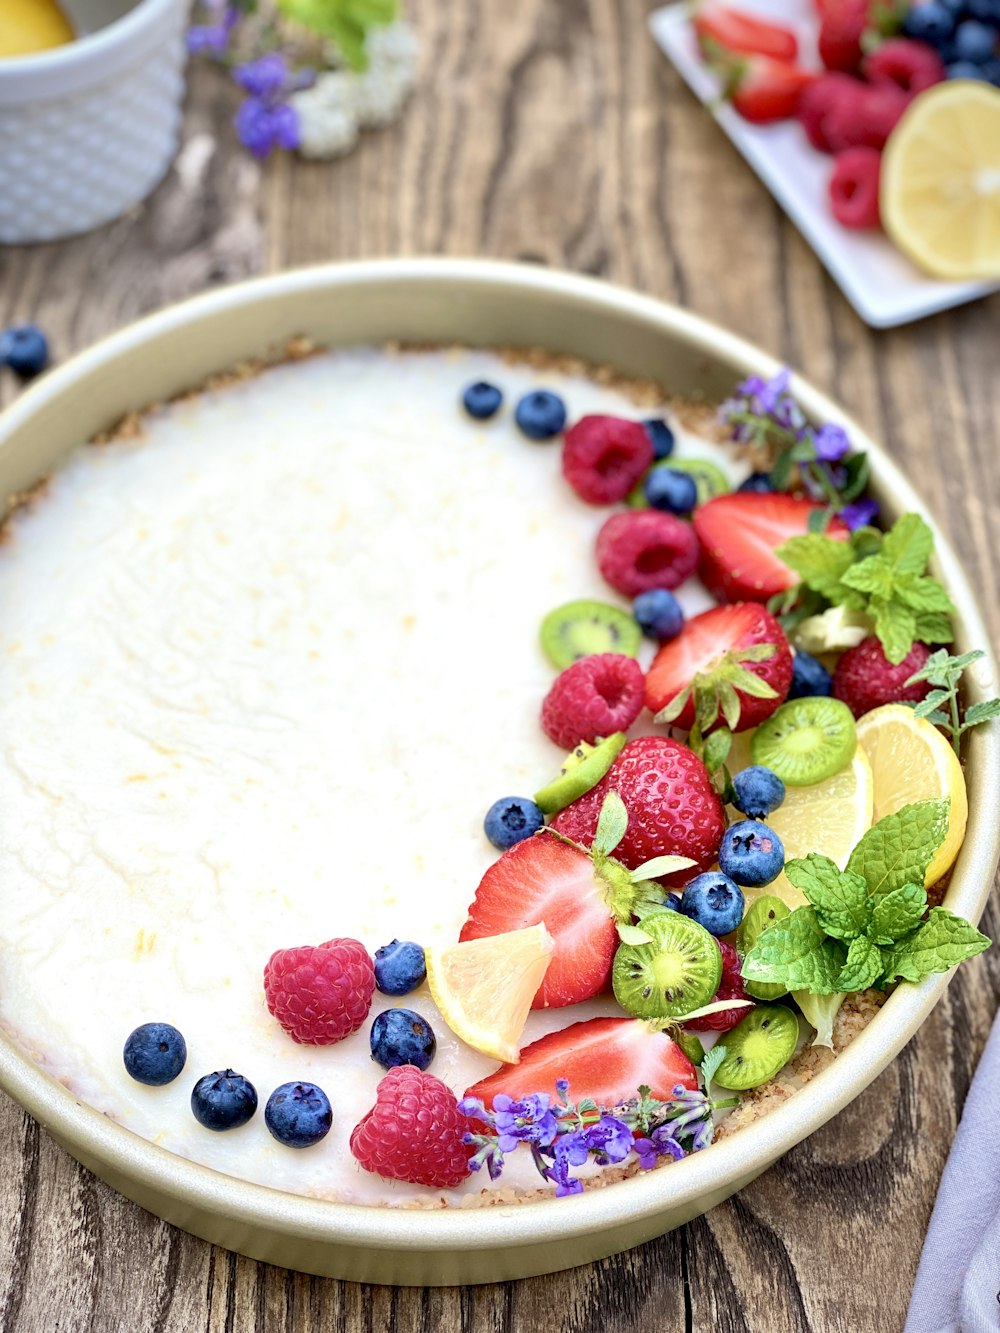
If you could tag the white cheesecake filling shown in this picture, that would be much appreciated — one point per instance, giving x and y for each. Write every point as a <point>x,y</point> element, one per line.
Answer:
<point>262,672</point>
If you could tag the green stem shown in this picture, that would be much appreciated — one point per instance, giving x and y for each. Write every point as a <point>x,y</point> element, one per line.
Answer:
<point>829,490</point>
<point>956,725</point>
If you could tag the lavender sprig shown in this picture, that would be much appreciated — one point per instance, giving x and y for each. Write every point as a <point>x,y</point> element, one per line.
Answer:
<point>563,1135</point>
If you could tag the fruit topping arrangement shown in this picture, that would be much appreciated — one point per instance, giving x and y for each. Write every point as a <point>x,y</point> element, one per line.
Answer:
<point>904,97</point>
<point>754,814</point>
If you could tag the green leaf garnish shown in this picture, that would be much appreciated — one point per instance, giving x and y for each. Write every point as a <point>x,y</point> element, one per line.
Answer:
<point>840,897</point>
<point>896,914</point>
<point>611,824</point>
<point>899,848</point>
<point>941,705</point>
<point>936,946</point>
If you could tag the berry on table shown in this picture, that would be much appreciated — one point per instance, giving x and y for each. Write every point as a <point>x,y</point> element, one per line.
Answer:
<point>298,1114</point>
<point>593,697</point>
<point>603,457</point>
<point>659,614</point>
<point>714,901</point>
<point>25,349</point>
<point>482,400</point>
<point>402,1037</point>
<point>511,819</point>
<point>399,967</point>
<point>540,414</point>
<point>757,791</point>
<point>864,678</point>
<point>320,994</point>
<point>751,853</point>
<point>154,1054</point>
<point>854,188</point>
<point>644,549</point>
<point>661,437</point>
<point>223,1100</point>
<point>672,491</point>
<point>809,677</point>
<point>730,988</point>
<point>759,483</point>
<point>414,1132</point>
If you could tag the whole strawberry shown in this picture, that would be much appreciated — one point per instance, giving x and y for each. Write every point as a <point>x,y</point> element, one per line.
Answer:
<point>672,807</point>
<point>320,993</point>
<point>864,678</point>
<point>730,988</point>
<point>414,1132</point>
<point>842,27</point>
<point>594,697</point>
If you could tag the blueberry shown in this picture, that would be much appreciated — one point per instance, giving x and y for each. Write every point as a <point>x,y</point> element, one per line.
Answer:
<point>154,1053</point>
<point>751,853</point>
<point>714,901</point>
<point>809,677</point>
<point>759,483</point>
<point>401,1037</point>
<point>298,1114</point>
<point>659,614</point>
<point>672,902</point>
<point>661,437</point>
<point>675,492</point>
<point>758,791</point>
<point>223,1100</point>
<point>512,819</point>
<point>482,400</point>
<point>933,22</point>
<point>25,349</point>
<point>990,71</point>
<point>399,967</point>
<point>988,11</point>
<point>975,41</point>
<point>964,69</point>
<point>540,414</point>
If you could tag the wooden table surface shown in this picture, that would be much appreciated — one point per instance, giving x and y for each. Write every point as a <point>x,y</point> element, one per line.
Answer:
<point>551,131</point>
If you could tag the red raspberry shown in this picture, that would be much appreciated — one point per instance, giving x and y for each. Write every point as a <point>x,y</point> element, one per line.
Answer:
<point>854,187</point>
<point>604,457</point>
<point>414,1131</point>
<point>730,988</point>
<point>912,66</point>
<point>840,31</point>
<point>819,100</point>
<point>593,697</point>
<point>671,803</point>
<point>645,549</point>
<point>320,994</point>
<point>868,119</point>
<point>864,678</point>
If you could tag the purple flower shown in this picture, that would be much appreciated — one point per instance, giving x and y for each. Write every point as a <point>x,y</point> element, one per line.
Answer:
<point>831,442</point>
<point>262,127</point>
<point>212,38</point>
<point>527,1121</point>
<point>661,1143</point>
<point>610,1139</point>
<point>565,1184</point>
<point>573,1149</point>
<point>859,514</point>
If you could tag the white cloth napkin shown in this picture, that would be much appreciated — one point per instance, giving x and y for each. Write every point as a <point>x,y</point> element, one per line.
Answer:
<point>958,1281</point>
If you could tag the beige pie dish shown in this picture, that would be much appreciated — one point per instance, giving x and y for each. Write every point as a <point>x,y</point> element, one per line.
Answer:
<point>444,301</point>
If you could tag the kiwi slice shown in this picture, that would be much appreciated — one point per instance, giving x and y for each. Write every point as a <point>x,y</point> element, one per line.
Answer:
<point>806,740</point>
<point>761,914</point>
<point>677,971</point>
<point>582,769</point>
<point>709,479</point>
<point>580,629</point>
<point>758,1047</point>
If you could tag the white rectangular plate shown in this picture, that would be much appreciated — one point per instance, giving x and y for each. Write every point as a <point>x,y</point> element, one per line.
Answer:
<point>880,282</point>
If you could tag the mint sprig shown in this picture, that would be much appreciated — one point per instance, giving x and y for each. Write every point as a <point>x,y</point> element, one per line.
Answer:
<point>868,924</point>
<point>883,577</point>
<point>941,706</point>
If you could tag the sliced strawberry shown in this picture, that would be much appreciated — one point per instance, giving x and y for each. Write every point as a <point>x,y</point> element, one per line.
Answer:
<point>739,534</point>
<point>721,25</point>
<point>708,653</point>
<point>764,90</point>
<point>545,879</point>
<point>608,1059</point>
<point>842,27</point>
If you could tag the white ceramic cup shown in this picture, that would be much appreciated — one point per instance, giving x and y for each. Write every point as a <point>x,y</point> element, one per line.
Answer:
<point>90,128</point>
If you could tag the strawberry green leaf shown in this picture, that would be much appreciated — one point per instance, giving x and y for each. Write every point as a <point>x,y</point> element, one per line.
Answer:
<point>730,704</point>
<point>899,848</point>
<point>936,946</point>
<point>716,749</point>
<point>716,1007</point>
<point>661,865</point>
<point>611,824</point>
<point>629,934</point>
<point>863,966</point>
<point>754,652</point>
<point>675,707</point>
<point>896,914</point>
<point>840,897</point>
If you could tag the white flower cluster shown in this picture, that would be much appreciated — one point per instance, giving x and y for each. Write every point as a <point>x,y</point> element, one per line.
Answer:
<point>340,103</point>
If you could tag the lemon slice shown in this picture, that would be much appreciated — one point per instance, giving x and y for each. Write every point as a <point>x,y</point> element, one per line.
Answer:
<point>940,185</point>
<point>828,817</point>
<point>484,988</point>
<point>912,761</point>
<point>27,26</point>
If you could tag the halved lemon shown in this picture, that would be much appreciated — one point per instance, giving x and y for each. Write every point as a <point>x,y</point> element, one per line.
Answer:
<point>484,987</point>
<point>828,817</point>
<point>27,26</point>
<point>912,761</point>
<point>940,182</point>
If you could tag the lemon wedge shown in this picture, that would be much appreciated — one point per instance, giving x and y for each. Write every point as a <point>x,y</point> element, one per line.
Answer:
<point>940,183</point>
<point>484,987</point>
<point>912,761</point>
<point>828,817</point>
<point>27,26</point>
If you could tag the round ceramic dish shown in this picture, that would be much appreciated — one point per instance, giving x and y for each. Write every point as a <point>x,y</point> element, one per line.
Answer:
<point>90,128</point>
<point>491,304</point>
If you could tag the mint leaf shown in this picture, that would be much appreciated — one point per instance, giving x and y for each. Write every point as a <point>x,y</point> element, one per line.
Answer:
<point>611,824</point>
<point>863,966</point>
<point>908,545</point>
<point>840,897</point>
<point>897,913</point>
<point>923,594</point>
<point>796,953</point>
<point>936,946</point>
<point>899,848</point>
<point>820,562</point>
<point>934,627</point>
<point>896,627</point>
<point>872,576</point>
<point>982,712</point>
<point>820,1011</point>
<point>710,1065</point>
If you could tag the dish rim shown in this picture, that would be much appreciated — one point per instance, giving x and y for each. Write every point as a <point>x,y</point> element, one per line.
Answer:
<point>735,1159</point>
